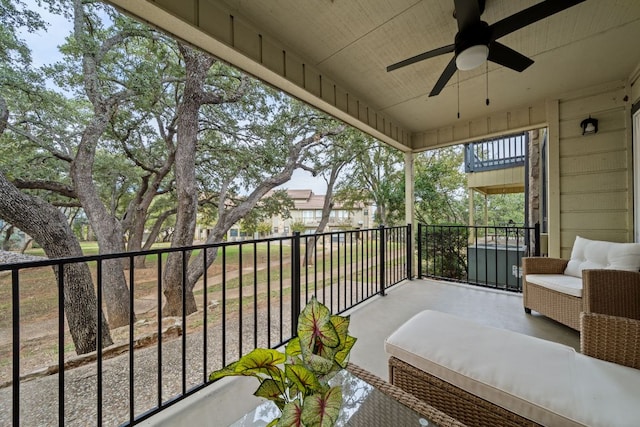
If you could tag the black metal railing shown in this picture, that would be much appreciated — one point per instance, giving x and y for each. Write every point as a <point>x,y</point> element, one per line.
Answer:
<point>489,256</point>
<point>505,152</point>
<point>249,297</point>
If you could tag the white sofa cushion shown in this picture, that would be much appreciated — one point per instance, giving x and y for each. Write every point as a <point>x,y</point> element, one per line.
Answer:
<point>569,285</point>
<point>545,382</point>
<point>596,254</point>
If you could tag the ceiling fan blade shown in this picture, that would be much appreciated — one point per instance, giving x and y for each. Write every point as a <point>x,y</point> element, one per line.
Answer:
<point>444,77</point>
<point>426,55</point>
<point>529,16</point>
<point>467,13</point>
<point>503,55</point>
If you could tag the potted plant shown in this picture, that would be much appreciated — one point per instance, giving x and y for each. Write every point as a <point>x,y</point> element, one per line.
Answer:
<point>297,381</point>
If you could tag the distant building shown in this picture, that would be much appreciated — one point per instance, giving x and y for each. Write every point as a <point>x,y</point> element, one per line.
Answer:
<point>307,210</point>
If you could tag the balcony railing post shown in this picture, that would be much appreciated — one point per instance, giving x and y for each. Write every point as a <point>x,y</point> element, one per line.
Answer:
<point>295,281</point>
<point>536,250</point>
<point>15,319</point>
<point>409,243</point>
<point>382,261</point>
<point>420,231</point>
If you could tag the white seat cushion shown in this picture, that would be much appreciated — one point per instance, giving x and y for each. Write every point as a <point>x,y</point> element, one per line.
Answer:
<point>558,282</point>
<point>596,254</point>
<point>545,382</point>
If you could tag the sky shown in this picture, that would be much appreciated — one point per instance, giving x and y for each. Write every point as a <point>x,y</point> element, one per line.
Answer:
<point>44,44</point>
<point>303,180</point>
<point>44,50</point>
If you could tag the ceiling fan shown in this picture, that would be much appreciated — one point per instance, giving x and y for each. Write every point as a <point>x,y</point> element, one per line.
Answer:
<point>476,42</point>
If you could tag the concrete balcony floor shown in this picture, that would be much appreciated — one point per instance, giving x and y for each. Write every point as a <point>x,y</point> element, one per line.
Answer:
<point>374,322</point>
<point>371,323</point>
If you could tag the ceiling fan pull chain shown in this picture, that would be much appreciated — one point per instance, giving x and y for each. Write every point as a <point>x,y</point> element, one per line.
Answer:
<point>487,74</point>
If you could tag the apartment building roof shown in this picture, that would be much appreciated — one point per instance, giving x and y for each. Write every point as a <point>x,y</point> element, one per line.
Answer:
<point>307,200</point>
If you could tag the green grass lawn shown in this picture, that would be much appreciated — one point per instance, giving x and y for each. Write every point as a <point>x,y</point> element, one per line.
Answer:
<point>90,248</point>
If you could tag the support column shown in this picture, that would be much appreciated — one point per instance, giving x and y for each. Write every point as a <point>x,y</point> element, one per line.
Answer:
<point>472,217</point>
<point>486,210</point>
<point>534,178</point>
<point>409,188</point>
<point>409,199</point>
<point>553,159</point>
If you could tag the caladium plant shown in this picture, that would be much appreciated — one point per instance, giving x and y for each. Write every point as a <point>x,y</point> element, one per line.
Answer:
<point>297,381</point>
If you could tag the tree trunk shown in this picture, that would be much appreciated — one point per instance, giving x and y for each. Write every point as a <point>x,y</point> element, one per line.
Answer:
<point>196,67</point>
<point>138,211</point>
<point>327,206</point>
<point>157,227</point>
<point>106,227</point>
<point>48,226</point>
<point>131,224</point>
<point>26,244</point>
<point>6,242</point>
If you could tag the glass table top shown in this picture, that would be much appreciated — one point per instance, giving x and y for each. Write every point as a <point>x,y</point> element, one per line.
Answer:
<point>362,405</point>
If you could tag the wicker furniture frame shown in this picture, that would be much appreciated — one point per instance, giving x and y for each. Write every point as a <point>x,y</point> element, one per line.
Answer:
<point>611,338</point>
<point>556,305</point>
<point>610,330</point>
<point>613,292</point>
<point>378,416</point>
<point>461,405</point>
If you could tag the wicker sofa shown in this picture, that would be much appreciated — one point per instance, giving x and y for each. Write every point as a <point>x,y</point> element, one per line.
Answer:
<point>492,377</point>
<point>599,277</point>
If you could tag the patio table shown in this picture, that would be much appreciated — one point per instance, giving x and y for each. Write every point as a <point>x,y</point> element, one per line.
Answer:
<point>367,401</point>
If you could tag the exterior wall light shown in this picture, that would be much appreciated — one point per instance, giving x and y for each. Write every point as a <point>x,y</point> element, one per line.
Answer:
<point>589,126</point>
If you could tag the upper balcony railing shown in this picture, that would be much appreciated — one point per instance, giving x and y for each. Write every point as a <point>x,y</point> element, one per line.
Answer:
<point>490,154</point>
<point>249,297</point>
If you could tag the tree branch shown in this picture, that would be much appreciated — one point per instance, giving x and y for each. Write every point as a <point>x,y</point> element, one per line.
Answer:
<point>56,187</point>
<point>119,38</point>
<point>4,115</point>
<point>217,98</point>
<point>39,143</point>
<point>66,204</point>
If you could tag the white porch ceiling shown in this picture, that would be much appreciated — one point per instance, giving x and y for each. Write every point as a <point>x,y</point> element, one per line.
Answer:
<point>351,42</point>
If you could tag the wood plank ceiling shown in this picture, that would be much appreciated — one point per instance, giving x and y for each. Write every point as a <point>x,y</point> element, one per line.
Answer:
<point>350,42</point>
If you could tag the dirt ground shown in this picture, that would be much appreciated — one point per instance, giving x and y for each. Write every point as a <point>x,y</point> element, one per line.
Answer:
<point>39,343</point>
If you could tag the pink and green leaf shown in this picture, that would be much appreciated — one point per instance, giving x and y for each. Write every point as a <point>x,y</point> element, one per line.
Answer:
<point>292,348</point>
<point>291,415</point>
<point>272,390</point>
<point>319,365</point>
<point>342,357</point>
<point>322,409</point>
<point>315,328</point>
<point>341,324</point>
<point>303,378</point>
<point>259,362</point>
<point>274,422</point>
<point>229,370</point>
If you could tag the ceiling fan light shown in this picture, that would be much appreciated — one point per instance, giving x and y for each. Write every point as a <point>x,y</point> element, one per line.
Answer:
<point>472,57</point>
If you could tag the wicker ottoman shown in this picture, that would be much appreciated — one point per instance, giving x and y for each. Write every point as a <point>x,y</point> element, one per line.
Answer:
<point>486,376</point>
